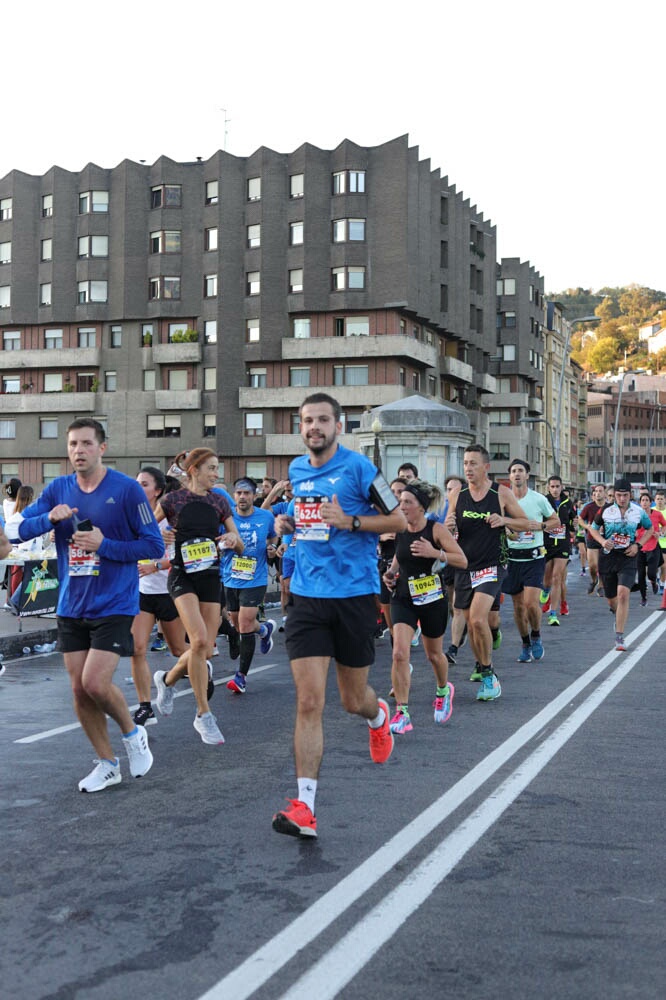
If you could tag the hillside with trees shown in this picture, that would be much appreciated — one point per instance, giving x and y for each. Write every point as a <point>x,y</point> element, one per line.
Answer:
<point>613,342</point>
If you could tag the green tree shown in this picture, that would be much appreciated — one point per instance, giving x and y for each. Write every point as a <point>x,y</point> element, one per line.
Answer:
<point>605,355</point>
<point>608,309</point>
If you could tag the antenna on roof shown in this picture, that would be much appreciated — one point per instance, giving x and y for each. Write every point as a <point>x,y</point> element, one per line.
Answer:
<point>226,130</point>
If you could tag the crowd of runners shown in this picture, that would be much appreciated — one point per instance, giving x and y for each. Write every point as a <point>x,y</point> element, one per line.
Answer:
<point>353,554</point>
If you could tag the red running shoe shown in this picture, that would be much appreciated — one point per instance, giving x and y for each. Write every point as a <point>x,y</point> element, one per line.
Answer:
<point>381,740</point>
<point>545,608</point>
<point>564,609</point>
<point>296,821</point>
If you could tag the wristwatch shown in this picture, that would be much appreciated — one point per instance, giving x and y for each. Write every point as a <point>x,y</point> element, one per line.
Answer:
<point>356,523</point>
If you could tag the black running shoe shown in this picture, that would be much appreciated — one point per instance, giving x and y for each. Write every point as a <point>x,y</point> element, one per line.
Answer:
<point>451,654</point>
<point>144,716</point>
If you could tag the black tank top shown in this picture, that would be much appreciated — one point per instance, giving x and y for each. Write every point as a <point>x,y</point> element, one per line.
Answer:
<point>409,564</point>
<point>484,546</point>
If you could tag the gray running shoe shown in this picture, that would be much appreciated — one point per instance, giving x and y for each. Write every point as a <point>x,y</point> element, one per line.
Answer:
<point>164,700</point>
<point>207,728</point>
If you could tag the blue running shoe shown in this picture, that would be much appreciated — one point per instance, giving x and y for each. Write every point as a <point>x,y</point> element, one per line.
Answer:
<point>490,688</point>
<point>537,649</point>
<point>158,646</point>
<point>238,683</point>
<point>266,636</point>
<point>525,655</point>
<point>416,636</point>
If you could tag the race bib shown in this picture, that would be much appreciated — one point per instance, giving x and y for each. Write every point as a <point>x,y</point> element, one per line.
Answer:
<point>487,575</point>
<point>525,538</point>
<point>424,589</point>
<point>620,541</point>
<point>198,554</point>
<point>243,568</point>
<point>559,532</point>
<point>82,563</point>
<point>309,524</point>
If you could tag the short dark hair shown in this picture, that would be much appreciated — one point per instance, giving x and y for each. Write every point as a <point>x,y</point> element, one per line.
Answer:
<point>81,422</point>
<point>520,461</point>
<point>410,466</point>
<point>322,397</point>
<point>479,449</point>
<point>554,479</point>
<point>458,479</point>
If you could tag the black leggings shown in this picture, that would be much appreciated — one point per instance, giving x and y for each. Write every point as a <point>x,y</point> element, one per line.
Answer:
<point>650,562</point>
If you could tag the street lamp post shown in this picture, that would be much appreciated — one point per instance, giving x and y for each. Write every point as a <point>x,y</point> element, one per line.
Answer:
<point>558,415</point>
<point>648,457</point>
<point>542,420</point>
<point>376,427</point>
<point>617,419</point>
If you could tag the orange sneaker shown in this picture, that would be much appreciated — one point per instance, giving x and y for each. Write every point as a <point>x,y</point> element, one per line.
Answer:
<point>296,821</point>
<point>381,740</point>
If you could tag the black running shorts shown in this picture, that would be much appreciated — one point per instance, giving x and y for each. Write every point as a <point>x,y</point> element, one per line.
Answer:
<point>341,627</point>
<point>112,634</point>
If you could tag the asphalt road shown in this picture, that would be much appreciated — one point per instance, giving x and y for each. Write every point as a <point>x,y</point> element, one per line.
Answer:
<point>515,852</point>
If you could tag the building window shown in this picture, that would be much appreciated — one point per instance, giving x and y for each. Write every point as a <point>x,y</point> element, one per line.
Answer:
<point>402,377</point>
<point>5,209</point>
<point>146,334</point>
<point>254,189</point>
<point>254,236</point>
<point>166,196</point>
<point>7,427</point>
<point>11,383</point>
<point>177,379</point>
<point>48,428</point>
<point>210,331</point>
<point>93,246</point>
<point>6,252</point>
<point>295,423</point>
<point>252,331</point>
<point>506,286</point>
<point>11,340</point>
<point>93,201</point>
<point>508,319</point>
<point>302,329</point>
<point>149,380</point>
<point>165,241</point>
<point>253,283</point>
<point>6,296</point>
<point>296,279</point>
<point>92,291</point>
<point>53,340</point>
<point>209,425</point>
<point>210,286</point>
<point>509,352</point>
<point>254,424</point>
<point>163,425</point>
<point>498,417</point>
<point>50,471</point>
<point>500,451</point>
<point>295,234</point>
<point>349,182</point>
<point>296,185</point>
<point>52,382</point>
<point>299,376</point>
<point>257,378</point>
<point>357,326</point>
<point>164,287</point>
<point>110,381</point>
<point>212,192</point>
<point>350,374</point>
<point>47,206</point>
<point>210,379</point>
<point>84,381</point>
<point>211,238</point>
<point>348,230</point>
<point>116,336</point>
<point>87,336</point>
<point>351,278</point>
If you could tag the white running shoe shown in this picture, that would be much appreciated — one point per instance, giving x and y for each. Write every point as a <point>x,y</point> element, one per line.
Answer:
<point>138,753</point>
<point>164,700</point>
<point>102,776</point>
<point>207,728</point>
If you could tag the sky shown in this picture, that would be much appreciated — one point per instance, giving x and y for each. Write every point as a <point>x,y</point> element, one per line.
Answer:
<point>548,116</point>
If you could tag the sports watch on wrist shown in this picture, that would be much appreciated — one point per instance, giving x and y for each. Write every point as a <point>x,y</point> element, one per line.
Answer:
<point>356,523</point>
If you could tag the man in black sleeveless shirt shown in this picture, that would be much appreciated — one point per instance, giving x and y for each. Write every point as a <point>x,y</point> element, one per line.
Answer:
<point>478,515</point>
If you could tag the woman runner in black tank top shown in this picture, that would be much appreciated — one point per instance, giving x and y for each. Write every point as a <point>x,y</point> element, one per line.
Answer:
<point>418,597</point>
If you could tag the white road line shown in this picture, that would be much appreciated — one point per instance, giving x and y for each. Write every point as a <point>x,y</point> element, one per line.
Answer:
<point>259,967</point>
<point>47,733</point>
<point>352,952</point>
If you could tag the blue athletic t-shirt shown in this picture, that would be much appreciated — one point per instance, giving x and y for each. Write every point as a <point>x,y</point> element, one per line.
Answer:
<point>332,562</point>
<point>251,568</point>
<point>103,583</point>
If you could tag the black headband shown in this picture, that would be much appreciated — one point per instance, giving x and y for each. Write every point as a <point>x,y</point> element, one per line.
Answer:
<point>421,495</point>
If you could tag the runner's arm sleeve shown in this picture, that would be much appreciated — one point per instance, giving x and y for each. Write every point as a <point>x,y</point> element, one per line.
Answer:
<point>147,542</point>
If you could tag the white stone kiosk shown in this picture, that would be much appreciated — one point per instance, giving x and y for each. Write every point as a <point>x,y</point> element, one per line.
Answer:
<point>415,429</point>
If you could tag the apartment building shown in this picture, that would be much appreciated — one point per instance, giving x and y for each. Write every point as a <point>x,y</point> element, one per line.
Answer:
<point>518,366</point>
<point>566,404</point>
<point>198,303</point>
<point>639,442</point>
